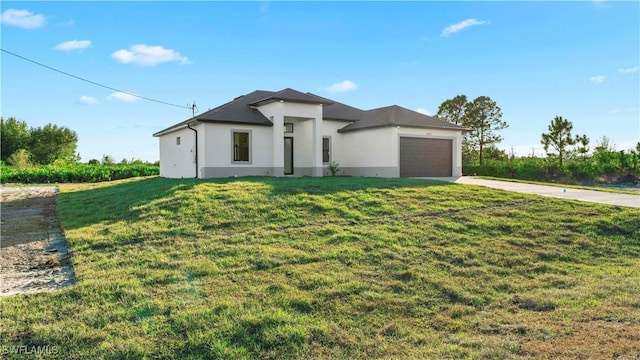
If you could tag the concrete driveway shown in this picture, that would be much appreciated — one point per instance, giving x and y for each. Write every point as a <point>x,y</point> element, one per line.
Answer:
<point>552,191</point>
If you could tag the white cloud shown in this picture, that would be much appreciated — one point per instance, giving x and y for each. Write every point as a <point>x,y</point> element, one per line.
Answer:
<point>120,96</point>
<point>623,110</point>
<point>629,70</point>
<point>598,79</point>
<point>148,55</point>
<point>87,100</point>
<point>264,5</point>
<point>342,86</point>
<point>599,3</point>
<point>67,23</point>
<point>22,18</point>
<point>423,111</point>
<point>73,45</point>
<point>460,26</point>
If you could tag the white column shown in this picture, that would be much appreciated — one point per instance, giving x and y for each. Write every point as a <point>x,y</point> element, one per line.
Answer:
<point>317,146</point>
<point>278,144</point>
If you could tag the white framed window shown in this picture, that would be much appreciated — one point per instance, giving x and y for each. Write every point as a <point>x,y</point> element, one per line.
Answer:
<point>288,128</point>
<point>326,149</point>
<point>241,146</point>
<point>178,140</point>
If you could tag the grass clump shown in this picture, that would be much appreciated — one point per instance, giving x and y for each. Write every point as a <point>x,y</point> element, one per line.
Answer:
<point>335,268</point>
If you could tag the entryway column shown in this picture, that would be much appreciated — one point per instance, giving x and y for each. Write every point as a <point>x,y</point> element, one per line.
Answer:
<point>278,145</point>
<point>317,147</point>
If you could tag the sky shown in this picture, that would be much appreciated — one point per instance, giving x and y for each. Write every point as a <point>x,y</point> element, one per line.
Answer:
<point>536,60</point>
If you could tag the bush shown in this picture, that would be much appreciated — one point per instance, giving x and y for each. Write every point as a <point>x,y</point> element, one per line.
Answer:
<point>602,167</point>
<point>20,159</point>
<point>76,173</point>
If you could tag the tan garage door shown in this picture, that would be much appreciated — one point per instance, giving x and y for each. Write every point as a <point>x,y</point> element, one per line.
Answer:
<point>425,157</point>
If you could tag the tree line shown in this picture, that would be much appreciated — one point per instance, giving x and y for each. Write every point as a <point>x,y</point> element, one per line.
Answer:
<point>568,156</point>
<point>44,145</point>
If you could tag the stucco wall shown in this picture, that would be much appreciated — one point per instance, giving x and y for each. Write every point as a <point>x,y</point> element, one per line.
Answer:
<point>218,151</point>
<point>178,161</point>
<point>369,152</point>
<point>338,147</point>
<point>376,152</point>
<point>307,119</point>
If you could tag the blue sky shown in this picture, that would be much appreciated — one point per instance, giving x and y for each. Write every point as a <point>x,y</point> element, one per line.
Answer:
<point>537,60</point>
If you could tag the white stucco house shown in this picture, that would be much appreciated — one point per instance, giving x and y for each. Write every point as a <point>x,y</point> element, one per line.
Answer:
<point>291,133</point>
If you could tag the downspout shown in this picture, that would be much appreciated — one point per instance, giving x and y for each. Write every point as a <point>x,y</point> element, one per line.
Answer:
<point>196,153</point>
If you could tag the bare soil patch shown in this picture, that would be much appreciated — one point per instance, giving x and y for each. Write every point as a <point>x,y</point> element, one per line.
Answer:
<point>33,251</point>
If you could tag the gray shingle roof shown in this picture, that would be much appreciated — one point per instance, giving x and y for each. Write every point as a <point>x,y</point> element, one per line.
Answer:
<point>242,110</point>
<point>397,116</point>
<point>237,111</point>
<point>292,96</point>
<point>339,111</point>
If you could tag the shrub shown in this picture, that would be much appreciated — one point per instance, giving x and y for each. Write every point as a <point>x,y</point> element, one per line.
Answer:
<point>20,159</point>
<point>76,173</point>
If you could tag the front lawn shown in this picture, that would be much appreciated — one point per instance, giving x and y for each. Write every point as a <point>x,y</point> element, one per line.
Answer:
<point>347,268</point>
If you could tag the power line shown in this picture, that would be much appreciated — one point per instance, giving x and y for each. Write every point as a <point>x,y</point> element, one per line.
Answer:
<point>190,107</point>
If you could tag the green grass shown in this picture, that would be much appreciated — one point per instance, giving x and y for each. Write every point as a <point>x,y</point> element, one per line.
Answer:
<point>611,189</point>
<point>269,268</point>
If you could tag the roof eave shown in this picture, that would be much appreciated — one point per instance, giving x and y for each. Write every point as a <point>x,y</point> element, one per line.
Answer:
<point>216,121</point>
<point>346,129</point>
<point>176,127</point>
<point>271,100</point>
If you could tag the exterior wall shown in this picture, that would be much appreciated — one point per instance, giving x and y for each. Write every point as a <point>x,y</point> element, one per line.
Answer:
<point>337,146</point>
<point>218,151</point>
<point>370,152</point>
<point>307,143</point>
<point>303,154</point>
<point>178,161</point>
<point>376,152</point>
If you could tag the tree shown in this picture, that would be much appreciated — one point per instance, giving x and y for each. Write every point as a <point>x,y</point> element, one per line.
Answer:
<point>559,138</point>
<point>20,159</point>
<point>484,117</point>
<point>107,160</point>
<point>583,146</point>
<point>452,110</point>
<point>51,143</point>
<point>14,136</point>
<point>492,152</point>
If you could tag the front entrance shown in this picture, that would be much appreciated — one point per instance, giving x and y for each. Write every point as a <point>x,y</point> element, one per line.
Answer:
<point>288,156</point>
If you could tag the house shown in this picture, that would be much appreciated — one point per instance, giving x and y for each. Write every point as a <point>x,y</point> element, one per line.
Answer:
<point>287,132</point>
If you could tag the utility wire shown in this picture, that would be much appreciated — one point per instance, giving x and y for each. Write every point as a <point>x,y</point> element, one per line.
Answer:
<point>95,83</point>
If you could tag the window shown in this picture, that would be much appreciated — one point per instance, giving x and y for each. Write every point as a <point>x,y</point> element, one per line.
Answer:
<point>178,140</point>
<point>288,127</point>
<point>326,145</point>
<point>240,146</point>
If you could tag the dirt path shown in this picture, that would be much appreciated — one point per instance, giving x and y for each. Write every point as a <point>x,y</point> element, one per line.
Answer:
<point>33,251</point>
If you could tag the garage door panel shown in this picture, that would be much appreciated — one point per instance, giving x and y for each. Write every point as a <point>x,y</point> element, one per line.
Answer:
<point>425,157</point>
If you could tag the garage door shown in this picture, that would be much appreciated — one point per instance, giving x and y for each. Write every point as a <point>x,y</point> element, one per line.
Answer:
<point>425,157</point>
